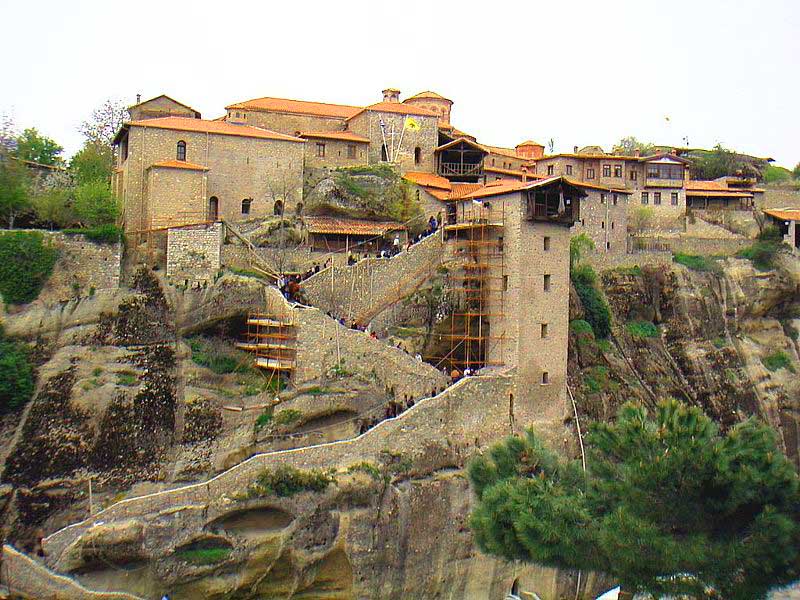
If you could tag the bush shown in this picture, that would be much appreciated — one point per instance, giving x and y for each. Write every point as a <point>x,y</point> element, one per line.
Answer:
<point>101,234</point>
<point>770,233</point>
<point>594,305</point>
<point>203,556</point>
<point>778,360</point>
<point>287,481</point>
<point>95,204</point>
<point>642,329</point>
<point>366,467</point>
<point>26,263</point>
<point>580,326</point>
<point>762,254</point>
<point>596,379</point>
<point>216,357</point>
<point>263,420</point>
<point>288,416</point>
<point>695,262</point>
<point>16,374</point>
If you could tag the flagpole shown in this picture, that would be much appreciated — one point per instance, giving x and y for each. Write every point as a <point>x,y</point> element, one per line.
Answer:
<point>402,133</point>
<point>383,135</point>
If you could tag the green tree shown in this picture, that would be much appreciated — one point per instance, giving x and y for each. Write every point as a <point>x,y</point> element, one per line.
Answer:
<point>14,189</point>
<point>52,206</point>
<point>579,245</point>
<point>629,146</point>
<point>93,162</point>
<point>796,171</point>
<point>38,148</point>
<point>95,204</point>
<point>16,374</point>
<point>668,505</point>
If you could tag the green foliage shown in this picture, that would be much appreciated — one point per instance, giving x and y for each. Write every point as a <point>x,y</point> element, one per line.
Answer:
<point>629,146</point>
<point>263,420</point>
<point>596,379</point>
<point>288,416</point>
<point>775,174</point>
<point>127,378</point>
<point>38,148</point>
<point>594,304</point>
<point>95,204</point>
<point>285,480</point>
<point>217,357</point>
<point>778,360</point>
<point>382,170</point>
<point>770,233</point>
<point>719,343</point>
<point>52,206</point>
<point>642,329</point>
<point>14,189</point>
<point>579,246</point>
<point>762,254</point>
<point>16,373</point>
<point>93,162</point>
<point>720,162</point>
<point>204,556</point>
<point>796,171</point>
<point>604,345</point>
<point>695,262</point>
<point>634,271</point>
<point>580,326</point>
<point>26,263</point>
<point>366,467</point>
<point>345,181</point>
<point>100,234</point>
<point>668,506</point>
<point>641,218</point>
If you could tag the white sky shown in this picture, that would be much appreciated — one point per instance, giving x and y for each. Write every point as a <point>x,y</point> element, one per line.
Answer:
<point>580,72</point>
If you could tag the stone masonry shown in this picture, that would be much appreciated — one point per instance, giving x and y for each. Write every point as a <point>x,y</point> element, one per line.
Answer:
<point>194,253</point>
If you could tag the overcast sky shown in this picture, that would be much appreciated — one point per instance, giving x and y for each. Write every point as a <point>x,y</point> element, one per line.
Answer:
<point>579,72</point>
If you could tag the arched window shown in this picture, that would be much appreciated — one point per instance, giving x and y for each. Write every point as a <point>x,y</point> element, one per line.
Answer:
<point>417,155</point>
<point>246,206</point>
<point>384,153</point>
<point>277,208</point>
<point>213,208</point>
<point>181,153</point>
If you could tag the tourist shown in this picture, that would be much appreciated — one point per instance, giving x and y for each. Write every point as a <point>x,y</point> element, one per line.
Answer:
<point>396,244</point>
<point>433,224</point>
<point>455,375</point>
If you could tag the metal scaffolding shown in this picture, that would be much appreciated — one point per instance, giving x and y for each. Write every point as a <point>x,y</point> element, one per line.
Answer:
<point>272,341</point>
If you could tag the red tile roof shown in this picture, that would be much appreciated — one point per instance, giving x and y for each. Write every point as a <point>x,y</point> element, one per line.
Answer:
<point>397,108</point>
<point>785,214</point>
<point>462,189</point>
<point>336,225</point>
<point>286,105</point>
<point>428,180</point>
<point>428,95</point>
<point>179,164</point>
<point>508,152</point>
<point>345,136</point>
<point>530,143</point>
<point>496,188</point>
<point>216,127</point>
<point>196,112</point>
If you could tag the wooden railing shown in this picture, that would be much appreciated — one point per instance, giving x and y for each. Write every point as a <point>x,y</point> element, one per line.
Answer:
<point>446,169</point>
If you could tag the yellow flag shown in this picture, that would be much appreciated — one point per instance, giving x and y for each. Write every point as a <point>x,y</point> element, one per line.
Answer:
<point>411,124</point>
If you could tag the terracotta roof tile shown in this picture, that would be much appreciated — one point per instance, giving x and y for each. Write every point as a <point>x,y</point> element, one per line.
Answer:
<point>496,188</point>
<point>428,95</point>
<point>442,195</point>
<point>509,152</point>
<point>428,180</point>
<point>336,225</point>
<point>197,112</point>
<point>785,214</point>
<point>216,127</point>
<point>179,164</point>
<point>302,107</point>
<point>462,189</point>
<point>345,136</point>
<point>530,143</point>
<point>398,108</point>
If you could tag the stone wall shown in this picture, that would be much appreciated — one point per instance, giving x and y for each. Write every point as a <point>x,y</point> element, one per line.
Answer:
<point>83,268</point>
<point>604,218</point>
<point>688,245</point>
<point>426,139</point>
<point>780,198</point>
<point>335,153</point>
<point>362,290</point>
<point>471,414</point>
<point>194,253</point>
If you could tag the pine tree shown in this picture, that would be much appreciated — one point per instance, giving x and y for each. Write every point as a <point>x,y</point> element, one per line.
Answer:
<point>668,505</point>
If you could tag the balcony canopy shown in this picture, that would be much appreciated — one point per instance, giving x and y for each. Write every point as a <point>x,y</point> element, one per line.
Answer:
<point>461,160</point>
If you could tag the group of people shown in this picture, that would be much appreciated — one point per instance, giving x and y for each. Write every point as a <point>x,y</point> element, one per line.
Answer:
<point>289,285</point>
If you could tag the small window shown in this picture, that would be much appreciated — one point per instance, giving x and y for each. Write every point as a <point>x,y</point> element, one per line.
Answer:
<point>550,169</point>
<point>645,198</point>
<point>633,175</point>
<point>492,162</point>
<point>321,149</point>
<point>569,169</point>
<point>546,243</point>
<point>505,283</point>
<point>615,199</point>
<point>384,153</point>
<point>246,206</point>
<point>351,150</point>
<point>546,282</point>
<point>417,155</point>
<point>608,245</point>
<point>602,224</point>
<point>612,224</point>
<point>602,198</point>
<point>180,154</point>
<point>545,377</point>
<point>656,197</point>
<point>606,170</point>
<point>617,170</point>
<point>589,173</point>
<point>544,330</point>
<point>674,199</point>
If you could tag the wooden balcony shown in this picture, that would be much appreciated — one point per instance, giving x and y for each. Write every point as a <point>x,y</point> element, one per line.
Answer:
<point>447,169</point>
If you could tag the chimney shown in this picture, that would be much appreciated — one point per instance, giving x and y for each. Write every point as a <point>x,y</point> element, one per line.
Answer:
<point>574,149</point>
<point>138,98</point>
<point>391,95</point>
<point>637,153</point>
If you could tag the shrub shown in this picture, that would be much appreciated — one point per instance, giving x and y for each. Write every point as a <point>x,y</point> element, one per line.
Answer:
<point>770,233</point>
<point>642,329</point>
<point>580,326</point>
<point>288,416</point>
<point>126,378</point>
<point>368,468</point>
<point>778,360</point>
<point>204,556</point>
<point>26,263</point>
<point>95,204</point>
<point>762,254</point>
<point>100,234</point>
<point>215,357</point>
<point>594,305</point>
<point>695,262</point>
<point>263,420</point>
<point>596,379</point>
<point>719,342</point>
<point>16,374</point>
<point>286,480</point>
